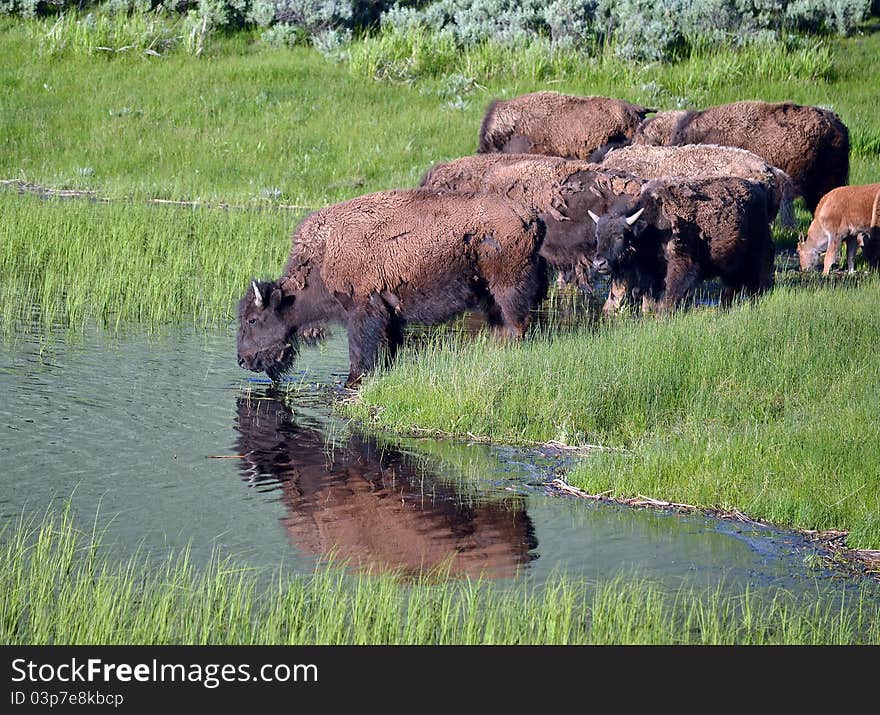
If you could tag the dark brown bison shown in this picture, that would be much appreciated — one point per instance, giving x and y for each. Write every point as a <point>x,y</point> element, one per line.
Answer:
<point>365,503</point>
<point>680,231</point>
<point>706,160</point>
<point>562,191</point>
<point>558,124</point>
<point>810,144</point>
<point>381,260</point>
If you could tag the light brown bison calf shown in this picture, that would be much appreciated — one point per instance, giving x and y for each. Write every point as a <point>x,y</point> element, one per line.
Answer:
<point>846,214</point>
<point>558,124</point>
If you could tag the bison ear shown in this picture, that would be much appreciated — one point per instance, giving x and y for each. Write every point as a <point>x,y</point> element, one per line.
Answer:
<point>275,297</point>
<point>258,297</point>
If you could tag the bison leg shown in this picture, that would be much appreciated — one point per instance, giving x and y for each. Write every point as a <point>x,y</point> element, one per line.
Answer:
<point>618,292</point>
<point>852,245</point>
<point>831,253</point>
<point>758,274</point>
<point>681,274</point>
<point>871,248</point>
<point>369,325</point>
<point>510,313</point>
<point>511,306</point>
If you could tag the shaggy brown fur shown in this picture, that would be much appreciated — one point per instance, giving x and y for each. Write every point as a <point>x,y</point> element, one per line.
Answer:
<point>705,160</point>
<point>810,144</point>
<point>680,231</point>
<point>562,191</point>
<point>365,502</point>
<point>466,174</point>
<point>381,260</point>
<point>848,213</point>
<point>558,124</point>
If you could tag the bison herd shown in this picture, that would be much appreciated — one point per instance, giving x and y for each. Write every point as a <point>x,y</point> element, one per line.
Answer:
<point>586,186</point>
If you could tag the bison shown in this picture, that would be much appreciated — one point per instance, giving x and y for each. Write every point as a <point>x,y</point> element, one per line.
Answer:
<point>810,144</point>
<point>705,160</point>
<point>846,214</point>
<point>680,231</point>
<point>379,261</point>
<point>558,124</point>
<point>562,191</point>
<point>364,502</point>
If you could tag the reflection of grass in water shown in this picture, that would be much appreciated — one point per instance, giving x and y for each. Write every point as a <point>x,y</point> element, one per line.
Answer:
<point>59,587</point>
<point>80,262</point>
<point>769,408</point>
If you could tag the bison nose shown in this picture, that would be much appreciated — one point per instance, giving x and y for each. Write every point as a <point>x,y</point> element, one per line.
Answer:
<point>601,265</point>
<point>250,362</point>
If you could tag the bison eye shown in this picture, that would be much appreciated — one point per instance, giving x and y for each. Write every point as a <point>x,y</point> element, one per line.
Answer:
<point>252,321</point>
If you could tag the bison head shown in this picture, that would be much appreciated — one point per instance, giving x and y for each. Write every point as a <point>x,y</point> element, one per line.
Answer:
<point>267,339</point>
<point>808,254</point>
<point>615,233</point>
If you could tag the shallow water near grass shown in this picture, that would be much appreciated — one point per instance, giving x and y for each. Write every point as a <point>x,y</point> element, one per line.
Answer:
<point>173,446</point>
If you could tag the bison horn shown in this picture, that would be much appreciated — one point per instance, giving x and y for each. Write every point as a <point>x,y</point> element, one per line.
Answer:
<point>258,297</point>
<point>635,217</point>
<point>593,216</point>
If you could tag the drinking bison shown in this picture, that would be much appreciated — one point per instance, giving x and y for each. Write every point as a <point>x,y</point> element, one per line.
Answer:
<point>705,160</point>
<point>680,231</point>
<point>848,214</point>
<point>558,124</point>
<point>810,144</point>
<point>562,191</point>
<point>379,261</point>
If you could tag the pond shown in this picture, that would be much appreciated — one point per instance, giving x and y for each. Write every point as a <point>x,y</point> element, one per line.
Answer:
<point>171,445</point>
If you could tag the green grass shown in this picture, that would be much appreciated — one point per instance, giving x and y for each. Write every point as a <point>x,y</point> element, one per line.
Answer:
<point>79,262</point>
<point>58,586</point>
<point>769,408</point>
<point>244,122</point>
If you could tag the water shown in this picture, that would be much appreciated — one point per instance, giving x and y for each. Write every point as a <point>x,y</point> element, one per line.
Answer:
<point>173,446</point>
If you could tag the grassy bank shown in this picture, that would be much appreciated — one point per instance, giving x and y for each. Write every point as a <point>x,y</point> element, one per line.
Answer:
<point>769,408</point>
<point>247,123</point>
<point>58,587</point>
<point>76,261</point>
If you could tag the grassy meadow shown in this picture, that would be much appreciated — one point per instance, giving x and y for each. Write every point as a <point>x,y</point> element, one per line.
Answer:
<point>119,264</point>
<point>245,123</point>
<point>769,408</point>
<point>58,586</point>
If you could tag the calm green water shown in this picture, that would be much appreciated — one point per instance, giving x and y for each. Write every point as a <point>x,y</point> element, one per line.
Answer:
<point>172,445</point>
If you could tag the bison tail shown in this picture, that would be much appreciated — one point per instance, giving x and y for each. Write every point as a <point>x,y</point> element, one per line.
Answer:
<point>488,142</point>
<point>426,177</point>
<point>785,217</point>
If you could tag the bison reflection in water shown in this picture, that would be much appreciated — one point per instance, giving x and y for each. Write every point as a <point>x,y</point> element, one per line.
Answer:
<point>372,506</point>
